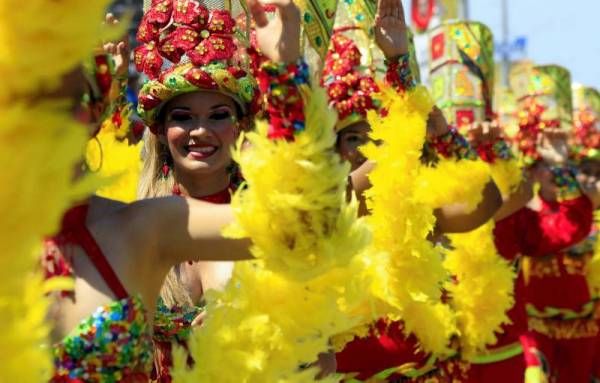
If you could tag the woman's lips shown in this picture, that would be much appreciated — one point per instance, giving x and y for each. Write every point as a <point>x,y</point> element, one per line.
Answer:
<point>201,152</point>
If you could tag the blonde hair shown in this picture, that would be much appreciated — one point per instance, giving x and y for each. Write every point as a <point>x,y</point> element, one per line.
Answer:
<point>153,183</point>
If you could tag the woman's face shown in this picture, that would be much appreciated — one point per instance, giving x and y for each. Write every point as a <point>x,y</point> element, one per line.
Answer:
<point>350,139</point>
<point>200,128</point>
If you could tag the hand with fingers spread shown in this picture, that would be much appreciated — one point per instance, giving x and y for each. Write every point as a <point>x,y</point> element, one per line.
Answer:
<point>278,37</point>
<point>391,32</point>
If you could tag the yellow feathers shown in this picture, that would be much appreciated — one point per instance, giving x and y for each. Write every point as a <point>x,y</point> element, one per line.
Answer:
<point>40,146</point>
<point>410,274</point>
<point>110,157</point>
<point>482,292</point>
<point>507,175</point>
<point>278,313</point>
<point>453,182</point>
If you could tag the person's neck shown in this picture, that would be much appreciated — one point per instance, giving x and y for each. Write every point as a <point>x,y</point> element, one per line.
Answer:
<point>198,186</point>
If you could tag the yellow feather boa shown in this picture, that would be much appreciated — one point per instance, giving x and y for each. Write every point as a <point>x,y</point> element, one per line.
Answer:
<point>39,147</point>
<point>409,273</point>
<point>453,182</point>
<point>278,312</point>
<point>112,157</point>
<point>507,175</point>
<point>483,292</point>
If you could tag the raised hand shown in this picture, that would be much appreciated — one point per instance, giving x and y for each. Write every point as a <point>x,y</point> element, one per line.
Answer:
<point>391,32</point>
<point>278,37</point>
<point>436,123</point>
<point>119,50</point>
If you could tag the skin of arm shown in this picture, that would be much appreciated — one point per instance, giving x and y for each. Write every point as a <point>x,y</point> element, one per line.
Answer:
<point>179,229</point>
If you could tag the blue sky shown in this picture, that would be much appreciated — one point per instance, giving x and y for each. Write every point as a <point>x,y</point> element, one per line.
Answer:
<point>557,31</point>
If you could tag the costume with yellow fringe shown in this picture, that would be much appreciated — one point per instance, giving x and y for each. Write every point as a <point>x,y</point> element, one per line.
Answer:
<point>277,313</point>
<point>401,349</point>
<point>45,156</point>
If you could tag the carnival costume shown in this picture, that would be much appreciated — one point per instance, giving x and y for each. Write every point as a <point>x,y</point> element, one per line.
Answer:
<point>554,285</point>
<point>396,350</point>
<point>560,302</point>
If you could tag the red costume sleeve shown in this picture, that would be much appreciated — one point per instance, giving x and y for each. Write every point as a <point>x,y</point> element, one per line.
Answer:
<point>557,226</point>
<point>561,225</point>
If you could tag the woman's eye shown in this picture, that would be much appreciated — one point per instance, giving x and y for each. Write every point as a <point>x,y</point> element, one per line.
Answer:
<point>180,117</point>
<point>355,139</point>
<point>220,115</point>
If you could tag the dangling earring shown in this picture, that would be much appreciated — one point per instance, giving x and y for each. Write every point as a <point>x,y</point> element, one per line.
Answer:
<point>166,166</point>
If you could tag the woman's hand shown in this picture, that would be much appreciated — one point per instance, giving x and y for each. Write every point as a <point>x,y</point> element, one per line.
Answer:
<point>119,50</point>
<point>278,37</point>
<point>436,123</point>
<point>391,32</point>
<point>552,146</point>
<point>483,132</point>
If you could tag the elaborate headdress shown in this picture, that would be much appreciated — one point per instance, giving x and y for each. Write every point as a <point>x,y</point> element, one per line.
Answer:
<point>352,63</point>
<point>544,102</point>
<point>188,46</point>
<point>586,123</point>
<point>462,71</point>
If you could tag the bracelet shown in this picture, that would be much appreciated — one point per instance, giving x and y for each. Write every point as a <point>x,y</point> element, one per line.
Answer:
<point>565,180</point>
<point>398,73</point>
<point>452,144</point>
<point>491,151</point>
<point>280,85</point>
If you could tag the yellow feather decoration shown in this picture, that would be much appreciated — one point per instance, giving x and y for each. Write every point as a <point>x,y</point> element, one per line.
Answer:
<point>297,199</point>
<point>409,274</point>
<point>40,145</point>
<point>507,175</point>
<point>483,291</point>
<point>277,313</point>
<point>110,157</point>
<point>453,182</point>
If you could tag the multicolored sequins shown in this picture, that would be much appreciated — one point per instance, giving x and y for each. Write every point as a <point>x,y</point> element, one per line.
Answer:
<point>112,345</point>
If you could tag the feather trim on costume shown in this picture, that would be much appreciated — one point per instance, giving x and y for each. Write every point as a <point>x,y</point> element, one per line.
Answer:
<point>40,145</point>
<point>277,313</point>
<point>482,292</point>
<point>410,274</point>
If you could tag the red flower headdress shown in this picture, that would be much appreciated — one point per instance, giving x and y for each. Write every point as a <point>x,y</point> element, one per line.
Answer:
<point>585,140</point>
<point>350,89</point>
<point>185,48</point>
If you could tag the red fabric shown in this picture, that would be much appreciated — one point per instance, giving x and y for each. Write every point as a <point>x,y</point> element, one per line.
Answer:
<point>561,225</point>
<point>74,231</point>
<point>564,290</point>
<point>506,371</point>
<point>570,360</point>
<point>375,353</point>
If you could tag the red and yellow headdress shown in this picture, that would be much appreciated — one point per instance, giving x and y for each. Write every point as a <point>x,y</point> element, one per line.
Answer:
<point>585,140</point>
<point>186,47</point>
<point>544,102</point>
